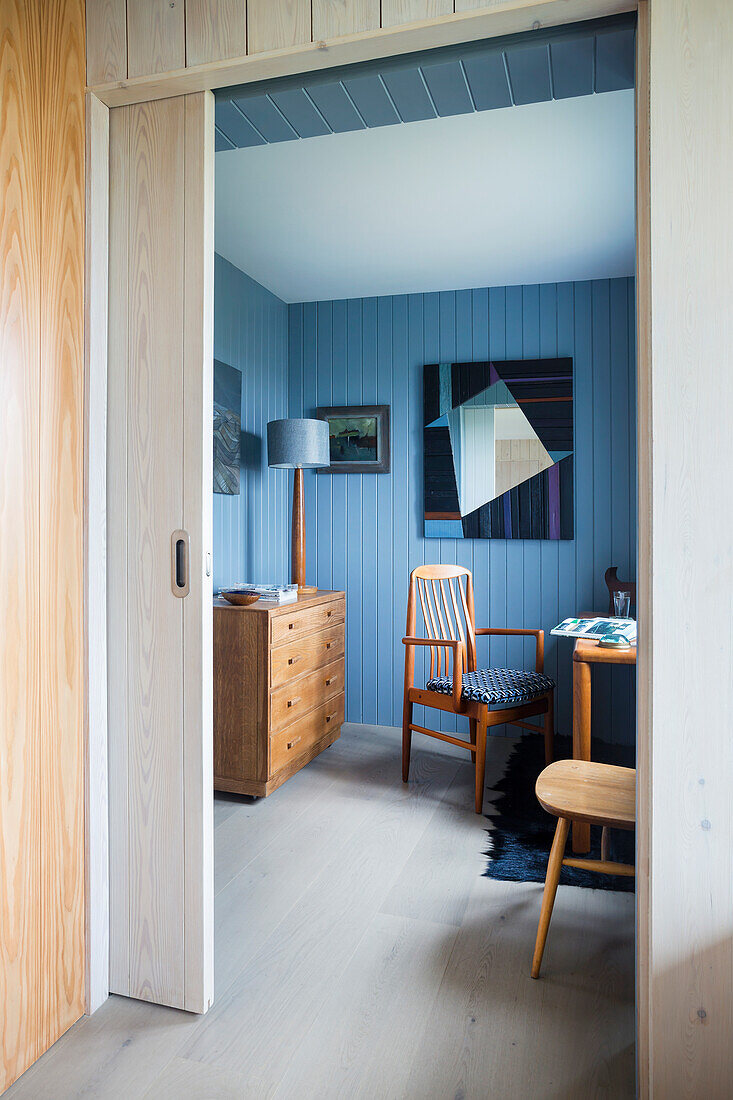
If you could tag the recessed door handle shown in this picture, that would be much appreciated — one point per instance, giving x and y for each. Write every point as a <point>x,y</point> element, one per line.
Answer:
<point>292,702</point>
<point>293,742</point>
<point>180,553</point>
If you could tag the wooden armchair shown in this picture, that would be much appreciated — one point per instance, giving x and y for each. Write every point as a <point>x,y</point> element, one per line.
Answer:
<point>486,696</point>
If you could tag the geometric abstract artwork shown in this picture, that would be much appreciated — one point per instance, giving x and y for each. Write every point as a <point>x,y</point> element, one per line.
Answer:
<point>227,428</point>
<point>498,449</point>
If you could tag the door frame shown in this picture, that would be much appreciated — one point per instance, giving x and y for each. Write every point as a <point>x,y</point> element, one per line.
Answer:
<point>514,16</point>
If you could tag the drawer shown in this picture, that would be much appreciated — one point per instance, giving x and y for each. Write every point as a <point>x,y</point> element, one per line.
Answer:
<point>300,655</point>
<point>306,620</point>
<point>294,699</point>
<point>293,742</point>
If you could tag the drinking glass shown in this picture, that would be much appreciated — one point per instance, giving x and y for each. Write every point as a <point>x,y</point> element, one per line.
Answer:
<point>622,604</point>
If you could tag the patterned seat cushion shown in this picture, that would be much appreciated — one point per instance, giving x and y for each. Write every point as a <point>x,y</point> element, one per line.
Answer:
<point>496,685</point>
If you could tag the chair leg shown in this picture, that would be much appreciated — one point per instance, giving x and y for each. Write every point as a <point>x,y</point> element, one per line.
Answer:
<point>605,846</point>
<point>472,726</point>
<point>549,728</point>
<point>554,866</point>
<point>481,736</point>
<point>406,739</point>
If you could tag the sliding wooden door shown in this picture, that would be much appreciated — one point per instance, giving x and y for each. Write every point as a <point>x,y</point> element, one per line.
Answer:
<point>159,479</point>
<point>41,527</point>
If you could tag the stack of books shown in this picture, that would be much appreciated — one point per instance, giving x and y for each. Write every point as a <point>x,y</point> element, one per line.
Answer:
<point>271,593</point>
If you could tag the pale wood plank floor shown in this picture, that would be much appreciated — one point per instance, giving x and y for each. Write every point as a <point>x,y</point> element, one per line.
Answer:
<point>359,953</point>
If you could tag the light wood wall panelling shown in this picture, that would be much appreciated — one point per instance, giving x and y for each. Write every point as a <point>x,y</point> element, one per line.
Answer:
<point>95,520</point>
<point>691,122</point>
<point>198,476</point>
<point>159,478</point>
<point>645,551</point>
<point>156,36</point>
<point>155,507</point>
<point>396,12</point>
<point>217,31</point>
<point>472,26</point>
<point>106,40</point>
<point>61,508</point>
<point>20,591</point>
<point>117,508</point>
<point>276,26</point>
<point>336,18</point>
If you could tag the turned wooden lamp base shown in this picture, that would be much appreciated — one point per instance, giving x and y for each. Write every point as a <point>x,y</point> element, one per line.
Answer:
<point>298,543</point>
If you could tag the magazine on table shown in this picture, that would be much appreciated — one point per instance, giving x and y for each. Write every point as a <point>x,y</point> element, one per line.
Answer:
<point>597,628</point>
<point>272,593</point>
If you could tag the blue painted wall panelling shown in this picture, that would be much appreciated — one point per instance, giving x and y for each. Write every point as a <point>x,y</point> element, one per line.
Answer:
<point>365,531</point>
<point>251,536</point>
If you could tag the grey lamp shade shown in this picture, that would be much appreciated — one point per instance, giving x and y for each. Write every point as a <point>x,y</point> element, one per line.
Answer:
<point>294,443</point>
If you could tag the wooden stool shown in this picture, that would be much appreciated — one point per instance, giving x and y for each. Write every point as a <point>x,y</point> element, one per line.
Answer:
<point>581,790</point>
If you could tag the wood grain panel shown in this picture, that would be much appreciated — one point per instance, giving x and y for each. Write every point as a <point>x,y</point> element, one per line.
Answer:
<point>215,31</point>
<point>159,480</point>
<point>117,511</point>
<point>691,157</point>
<point>155,508</point>
<point>336,18</point>
<point>61,509</point>
<point>41,478</point>
<point>156,36</point>
<point>20,250</point>
<point>198,476</point>
<point>396,12</point>
<point>106,40</point>
<point>644,711</point>
<point>275,26</point>
<point>95,521</point>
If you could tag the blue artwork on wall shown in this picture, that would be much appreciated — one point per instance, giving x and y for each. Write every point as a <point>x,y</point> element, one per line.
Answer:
<point>227,428</point>
<point>498,449</point>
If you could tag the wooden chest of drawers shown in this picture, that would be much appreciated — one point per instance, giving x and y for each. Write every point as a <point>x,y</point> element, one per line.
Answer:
<point>278,688</point>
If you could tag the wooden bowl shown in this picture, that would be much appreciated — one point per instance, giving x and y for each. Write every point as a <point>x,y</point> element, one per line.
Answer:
<point>239,598</point>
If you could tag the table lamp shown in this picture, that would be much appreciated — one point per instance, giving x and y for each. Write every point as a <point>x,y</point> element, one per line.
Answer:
<point>298,444</point>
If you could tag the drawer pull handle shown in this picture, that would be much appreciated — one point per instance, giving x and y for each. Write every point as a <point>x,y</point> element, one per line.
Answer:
<point>290,626</point>
<point>293,742</point>
<point>328,645</point>
<point>329,682</point>
<point>329,717</point>
<point>292,660</point>
<point>328,614</point>
<point>292,702</point>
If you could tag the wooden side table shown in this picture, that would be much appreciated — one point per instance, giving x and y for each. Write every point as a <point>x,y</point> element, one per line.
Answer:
<point>588,653</point>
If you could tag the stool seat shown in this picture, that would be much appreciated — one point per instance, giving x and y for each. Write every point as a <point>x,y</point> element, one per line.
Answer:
<point>601,794</point>
<point>581,790</point>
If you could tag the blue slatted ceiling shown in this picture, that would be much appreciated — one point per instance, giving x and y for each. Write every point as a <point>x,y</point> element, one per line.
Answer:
<point>529,73</point>
<point>532,68</point>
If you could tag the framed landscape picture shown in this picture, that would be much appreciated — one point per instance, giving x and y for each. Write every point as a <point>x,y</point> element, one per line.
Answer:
<point>358,438</point>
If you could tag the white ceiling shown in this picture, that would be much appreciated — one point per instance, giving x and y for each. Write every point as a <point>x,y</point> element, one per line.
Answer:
<point>531,194</point>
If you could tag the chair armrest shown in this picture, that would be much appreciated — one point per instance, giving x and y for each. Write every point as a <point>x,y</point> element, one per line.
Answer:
<point>449,643</point>
<point>538,635</point>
